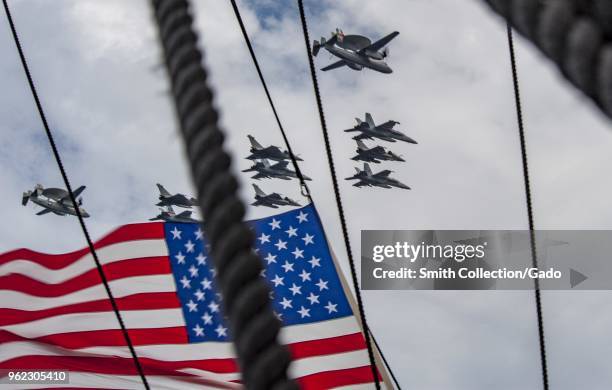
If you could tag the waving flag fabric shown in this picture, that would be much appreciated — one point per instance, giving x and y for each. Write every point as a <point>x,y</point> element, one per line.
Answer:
<point>55,314</point>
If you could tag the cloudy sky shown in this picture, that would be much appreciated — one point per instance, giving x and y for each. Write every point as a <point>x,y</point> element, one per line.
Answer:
<point>96,66</point>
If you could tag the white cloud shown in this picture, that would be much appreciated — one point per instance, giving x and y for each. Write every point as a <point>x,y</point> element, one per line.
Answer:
<point>451,90</point>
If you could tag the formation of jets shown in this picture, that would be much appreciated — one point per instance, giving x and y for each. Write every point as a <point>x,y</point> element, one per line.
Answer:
<point>167,200</point>
<point>55,200</point>
<point>369,130</point>
<point>265,170</point>
<point>356,51</point>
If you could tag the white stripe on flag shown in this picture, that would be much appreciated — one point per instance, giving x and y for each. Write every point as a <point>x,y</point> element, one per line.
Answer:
<point>79,322</point>
<point>120,288</point>
<point>107,255</point>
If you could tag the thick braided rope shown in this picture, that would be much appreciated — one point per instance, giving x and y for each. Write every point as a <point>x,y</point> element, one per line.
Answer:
<point>253,325</point>
<point>575,34</point>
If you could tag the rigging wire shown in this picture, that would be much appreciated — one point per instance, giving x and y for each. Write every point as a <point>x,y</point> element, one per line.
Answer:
<point>532,241</point>
<point>64,175</point>
<point>332,169</point>
<point>305,190</point>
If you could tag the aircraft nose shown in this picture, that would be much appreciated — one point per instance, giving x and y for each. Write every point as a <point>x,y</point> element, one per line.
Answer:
<point>84,214</point>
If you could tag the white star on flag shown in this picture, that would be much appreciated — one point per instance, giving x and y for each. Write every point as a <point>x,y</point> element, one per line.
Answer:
<point>176,234</point>
<point>263,238</point>
<point>315,262</point>
<point>189,246</point>
<point>291,231</point>
<point>302,217</point>
<point>281,244</point>
<point>274,224</point>
<point>298,253</point>
<point>304,312</point>
<point>198,330</point>
<point>308,239</point>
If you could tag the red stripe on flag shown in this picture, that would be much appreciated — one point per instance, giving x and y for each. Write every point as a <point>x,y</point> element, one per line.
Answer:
<point>118,365</point>
<point>107,337</point>
<point>133,232</point>
<point>144,301</point>
<point>336,378</point>
<point>347,343</point>
<point>113,271</point>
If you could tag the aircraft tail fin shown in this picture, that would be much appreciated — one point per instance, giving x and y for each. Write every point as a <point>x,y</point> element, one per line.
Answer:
<point>366,168</point>
<point>25,198</point>
<point>361,145</point>
<point>316,46</point>
<point>258,190</point>
<point>38,189</point>
<point>370,120</point>
<point>162,191</point>
<point>254,143</point>
<point>78,191</point>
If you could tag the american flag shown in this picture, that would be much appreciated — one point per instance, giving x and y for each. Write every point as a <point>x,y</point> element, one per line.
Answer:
<point>55,313</point>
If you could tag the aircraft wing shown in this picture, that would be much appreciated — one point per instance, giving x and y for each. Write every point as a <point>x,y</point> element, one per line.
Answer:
<point>381,42</point>
<point>384,173</point>
<point>377,149</point>
<point>335,65</point>
<point>185,214</point>
<point>43,212</point>
<point>388,125</point>
<point>259,175</point>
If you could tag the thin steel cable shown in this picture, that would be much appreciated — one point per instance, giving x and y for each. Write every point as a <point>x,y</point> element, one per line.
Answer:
<point>332,169</point>
<point>246,295</point>
<point>58,160</point>
<point>532,241</point>
<point>247,40</point>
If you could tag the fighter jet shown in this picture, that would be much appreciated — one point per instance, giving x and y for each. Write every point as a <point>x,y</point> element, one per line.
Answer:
<point>274,153</point>
<point>169,215</point>
<point>380,179</point>
<point>272,200</point>
<point>375,154</point>
<point>179,200</point>
<point>54,200</point>
<point>384,131</point>
<point>276,171</point>
<point>356,51</point>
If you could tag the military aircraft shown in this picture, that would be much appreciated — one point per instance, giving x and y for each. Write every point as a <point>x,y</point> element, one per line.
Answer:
<point>272,200</point>
<point>169,215</point>
<point>179,200</point>
<point>375,154</point>
<point>379,179</point>
<point>384,131</point>
<point>276,171</point>
<point>54,200</point>
<point>274,153</point>
<point>356,51</point>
